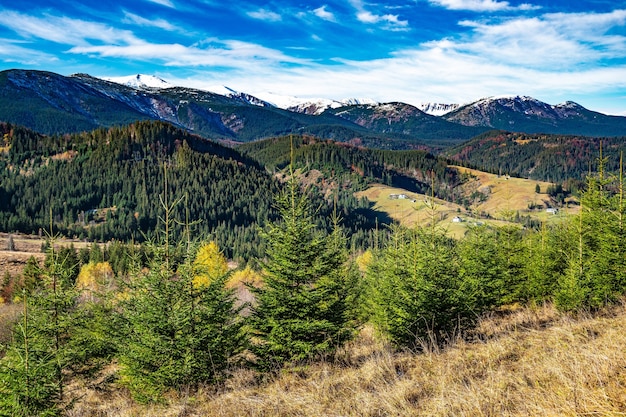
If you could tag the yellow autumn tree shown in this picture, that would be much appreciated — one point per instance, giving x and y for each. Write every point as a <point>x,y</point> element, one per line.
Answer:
<point>364,260</point>
<point>210,263</point>
<point>94,277</point>
<point>246,276</point>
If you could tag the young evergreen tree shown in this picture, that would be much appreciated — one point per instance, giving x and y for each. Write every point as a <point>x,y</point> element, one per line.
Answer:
<point>302,308</point>
<point>418,299</point>
<point>33,373</point>
<point>482,268</point>
<point>177,334</point>
<point>595,274</point>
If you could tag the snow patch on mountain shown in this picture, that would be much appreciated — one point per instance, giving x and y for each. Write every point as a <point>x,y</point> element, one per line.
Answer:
<point>312,106</point>
<point>140,81</point>
<point>437,109</point>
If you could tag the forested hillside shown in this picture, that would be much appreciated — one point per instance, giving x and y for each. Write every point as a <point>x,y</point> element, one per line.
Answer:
<point>554,158</point>
<point>355,167</point>
<point>106,184</point>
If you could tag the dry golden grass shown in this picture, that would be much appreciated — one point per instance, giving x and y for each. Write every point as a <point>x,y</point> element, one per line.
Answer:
<point>506,193</point>
<point>504,196</point>
<point>421,211</point>
<point>523,362</point>
<point>9,314</point>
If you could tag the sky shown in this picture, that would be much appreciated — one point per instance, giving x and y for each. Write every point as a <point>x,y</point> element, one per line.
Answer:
<point>413,51</point>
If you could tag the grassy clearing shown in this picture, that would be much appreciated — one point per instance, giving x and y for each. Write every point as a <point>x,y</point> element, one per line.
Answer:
<point>523,362</point>
<point>504,196</point>
<point>417,209</point>
<point>506,193</point>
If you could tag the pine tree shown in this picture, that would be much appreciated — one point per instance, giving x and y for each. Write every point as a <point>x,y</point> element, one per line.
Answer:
<point>595,273</point>
<point>176,334</point>
<point>33,373</point>
<point>417,297</point>
<point>301,309</point>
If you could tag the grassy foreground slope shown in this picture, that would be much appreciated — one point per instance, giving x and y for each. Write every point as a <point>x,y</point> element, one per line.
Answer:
<point>526,362</point>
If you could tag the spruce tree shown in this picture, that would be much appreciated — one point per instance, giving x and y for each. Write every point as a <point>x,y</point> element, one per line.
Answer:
<point>177,334</point>
<point>34,371</point>
<point>595,274</point>
<point>302,309</point>
<point>417,297</point>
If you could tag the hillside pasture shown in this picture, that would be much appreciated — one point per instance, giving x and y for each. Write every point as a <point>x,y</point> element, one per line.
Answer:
<point>498,198</point>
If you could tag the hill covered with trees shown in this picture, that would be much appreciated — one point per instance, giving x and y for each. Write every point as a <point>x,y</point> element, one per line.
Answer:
<point>545,157</point>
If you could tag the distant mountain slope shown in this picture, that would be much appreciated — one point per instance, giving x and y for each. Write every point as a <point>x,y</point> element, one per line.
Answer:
<point>50,103</point>
<point>552,158</point>
<point>526,114</point>
<point>404,119</point>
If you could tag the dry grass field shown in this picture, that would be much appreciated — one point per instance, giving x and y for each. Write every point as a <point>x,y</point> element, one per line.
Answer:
<point>506,193</point>
<point>419,209</point>
<point>522,362</point>
<point>504,196</point>
<point>25,246</point>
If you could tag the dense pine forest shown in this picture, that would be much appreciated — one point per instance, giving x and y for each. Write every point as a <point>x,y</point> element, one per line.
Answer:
<point>160,310</point>
<point>101,185</point>
<point>553,158</point>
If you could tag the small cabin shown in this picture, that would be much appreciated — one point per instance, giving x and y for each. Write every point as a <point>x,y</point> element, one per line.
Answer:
<point>552,210</point>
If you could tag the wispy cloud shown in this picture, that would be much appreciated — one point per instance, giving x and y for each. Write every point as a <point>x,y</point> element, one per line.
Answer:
<point>324,14</point>
<point>390,21</point>
<point>481,5</point>
<point>166,3</point>
<point>556,41</point>
<point>263,14</point>
<point>16,53</point>
<point>62,29</point>
<point>99,40</point>
<point>210,53</point>
<point>142,21</point>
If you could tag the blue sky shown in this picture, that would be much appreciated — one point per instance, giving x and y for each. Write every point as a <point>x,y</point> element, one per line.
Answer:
<point>449,51</point>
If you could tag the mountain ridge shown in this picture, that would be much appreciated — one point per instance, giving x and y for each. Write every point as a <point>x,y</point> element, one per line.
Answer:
<point>52,103</point>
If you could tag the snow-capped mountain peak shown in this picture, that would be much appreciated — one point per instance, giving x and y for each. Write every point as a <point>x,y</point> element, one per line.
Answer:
<point>140,81</point>
<point>437,109</point>
<point>312,106</point>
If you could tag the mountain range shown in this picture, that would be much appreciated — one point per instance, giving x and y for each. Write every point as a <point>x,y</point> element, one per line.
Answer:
<point>51,103</point>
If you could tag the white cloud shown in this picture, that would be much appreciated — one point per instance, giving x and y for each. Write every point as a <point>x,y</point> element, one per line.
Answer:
<point>481,5</point>
<point>63,30</point>
<point>267,15</point>
<point>166,3</point>
<point>209,53</point>
<point>556,41</point>
<point>12,52</point>
<point>324,14</point>
<point>142,21</point>
<point>390,21</point>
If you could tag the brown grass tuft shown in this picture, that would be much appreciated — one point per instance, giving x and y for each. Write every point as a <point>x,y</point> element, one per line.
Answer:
<point>521,362</point>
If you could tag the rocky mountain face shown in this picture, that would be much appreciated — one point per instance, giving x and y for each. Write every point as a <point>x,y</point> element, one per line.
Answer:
<point>405,119</point>
<point>529,115</point>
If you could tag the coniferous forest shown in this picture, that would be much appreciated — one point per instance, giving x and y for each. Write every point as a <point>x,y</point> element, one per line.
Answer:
<point>317,266</point>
